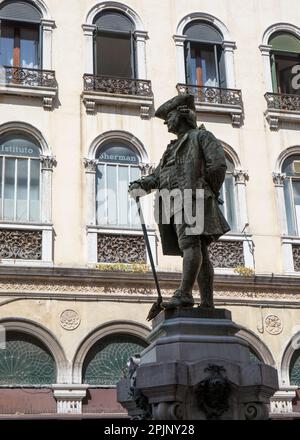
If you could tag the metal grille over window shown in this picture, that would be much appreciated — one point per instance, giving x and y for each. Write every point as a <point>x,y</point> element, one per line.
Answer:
<point>296,257</point>
<point>295,369</point>
<point>20,244</point>
<point>19,179</point>
<point>126,249</point>
<point>227,254</point>
<point>25,362</point>
<point>106,362</point>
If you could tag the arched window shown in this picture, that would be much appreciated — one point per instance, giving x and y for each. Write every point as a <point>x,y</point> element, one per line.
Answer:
<point>204,55</point>
<point>20,171</point>
<point>106,362</point>
<point>20,41</point>
<point>114,45</point>
<point>295,369</point>
<point>228,195</point>
<point>25,361</point>
<point>118,164</point>
<point>291,167</point>
<point>285,54</point>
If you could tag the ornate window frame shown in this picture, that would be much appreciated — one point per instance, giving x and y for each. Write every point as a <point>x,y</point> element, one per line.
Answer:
<point>242,234</point>
<point>273,116</point>
<point>141,35</point>
<point>90,164</point>
<point>46,93</point>
<point>45,225</point>
<point>287,242</point>
<point>229,47</point>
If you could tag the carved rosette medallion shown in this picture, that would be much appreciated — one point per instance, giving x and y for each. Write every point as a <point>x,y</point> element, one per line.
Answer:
<point>69,319</point>
<point>273,324</point>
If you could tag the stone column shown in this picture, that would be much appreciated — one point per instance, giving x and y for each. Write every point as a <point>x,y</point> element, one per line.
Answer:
<point>90,172</point>
<point>47,29</point>
<point>48,162</point>
<point>179,42</point>
<point>88,32</point>
<point>241,176</point>
<point>229,47</point>
<point>265,52</point>
<point>278,179</point>
<point>141,37</point>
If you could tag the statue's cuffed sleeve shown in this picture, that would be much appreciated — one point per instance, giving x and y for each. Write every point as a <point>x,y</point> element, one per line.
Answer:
<point>215,168</point>
<point>151,182</point>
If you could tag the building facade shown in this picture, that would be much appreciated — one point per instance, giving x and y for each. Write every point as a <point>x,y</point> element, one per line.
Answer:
<point>79,85</point>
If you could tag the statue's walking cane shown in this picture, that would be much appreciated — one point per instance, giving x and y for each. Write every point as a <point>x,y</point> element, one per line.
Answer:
<point>157,306</point>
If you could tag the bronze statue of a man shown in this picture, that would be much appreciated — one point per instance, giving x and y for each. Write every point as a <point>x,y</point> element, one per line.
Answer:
<point>195,160</point>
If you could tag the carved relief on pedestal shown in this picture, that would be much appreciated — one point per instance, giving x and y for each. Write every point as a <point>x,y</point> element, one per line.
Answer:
<point>69,319</point>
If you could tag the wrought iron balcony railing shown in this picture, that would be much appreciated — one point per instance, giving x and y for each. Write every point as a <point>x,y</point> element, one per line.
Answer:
<point>279,101</point>
<point>29,77</point>
<point>122,86</point>
<point>212,95</point>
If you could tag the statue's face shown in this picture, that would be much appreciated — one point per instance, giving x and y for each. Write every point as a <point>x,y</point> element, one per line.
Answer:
<point>173,121</point>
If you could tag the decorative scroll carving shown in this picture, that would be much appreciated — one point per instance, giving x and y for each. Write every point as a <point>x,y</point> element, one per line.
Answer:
<point>30,77</point>
<point>90,165</point>
<point>213,392</point>
<point>20,245</point>
<point>240,176</point>
<point>296,257</point>
<point>212,95</point>
<point>121,86</point>
<point>256,411</point>
<point>114,248</point>
<point>227,254</point>
<point>279,178</point>
<point>280,101</point>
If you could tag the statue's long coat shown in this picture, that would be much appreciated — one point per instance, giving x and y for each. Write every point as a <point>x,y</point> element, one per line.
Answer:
<point>200,164</point>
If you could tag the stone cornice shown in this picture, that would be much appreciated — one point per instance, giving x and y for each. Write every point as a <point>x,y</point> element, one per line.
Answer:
<point>60,280</point>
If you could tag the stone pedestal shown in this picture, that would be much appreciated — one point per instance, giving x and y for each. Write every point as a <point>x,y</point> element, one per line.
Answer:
<point>197,368</point>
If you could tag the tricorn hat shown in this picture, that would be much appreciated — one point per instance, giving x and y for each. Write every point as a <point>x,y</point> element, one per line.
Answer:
<point>178,101</point>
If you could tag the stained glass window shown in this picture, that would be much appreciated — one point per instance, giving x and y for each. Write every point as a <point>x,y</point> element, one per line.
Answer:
<point>295,369</point>
<point>26,362</point>
<point>106,362</point>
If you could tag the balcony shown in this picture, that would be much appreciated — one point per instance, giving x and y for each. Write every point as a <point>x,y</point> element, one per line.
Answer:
<point>282,107</point>
<point>216,100</point>
<point>128,92</point>
<point>34,83</point>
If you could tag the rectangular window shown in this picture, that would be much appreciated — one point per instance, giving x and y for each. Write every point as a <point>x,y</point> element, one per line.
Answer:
<point>205,65</point>
<point>114,207</point>
<point>114,55</point>
<point>20,189</point>
<point>19,45</point>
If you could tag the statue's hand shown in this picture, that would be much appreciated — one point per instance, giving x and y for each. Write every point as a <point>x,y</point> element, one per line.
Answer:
<point>135,190</point>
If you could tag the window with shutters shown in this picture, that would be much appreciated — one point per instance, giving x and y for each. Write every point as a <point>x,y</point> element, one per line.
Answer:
<point>204,57</point>
<point>285,55</point>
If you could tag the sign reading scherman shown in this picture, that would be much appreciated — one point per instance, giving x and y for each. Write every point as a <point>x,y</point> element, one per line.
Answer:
<point>118,154</point>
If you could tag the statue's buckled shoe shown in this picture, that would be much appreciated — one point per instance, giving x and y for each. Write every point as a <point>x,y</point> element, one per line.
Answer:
<point>179,299</point>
